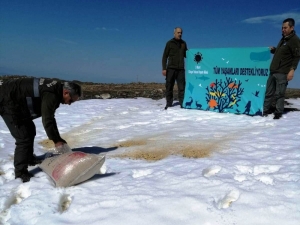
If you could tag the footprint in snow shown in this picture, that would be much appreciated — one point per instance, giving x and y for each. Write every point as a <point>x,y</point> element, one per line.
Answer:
<point>228,199</point>
<point>265,179</point>
<point>244,169</point>
<point>240,178</point>
<point>141,173</point>
<point>16,196</point>
<point>65,202</point>
<point>266,169</point>
<point>211,171</point>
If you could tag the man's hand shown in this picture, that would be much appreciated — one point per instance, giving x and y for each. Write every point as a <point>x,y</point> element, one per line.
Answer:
<point>61,148</point>
<point>290,75</point>
<point>164,72</point>
<point>272,49</point>
<point>60,143</point>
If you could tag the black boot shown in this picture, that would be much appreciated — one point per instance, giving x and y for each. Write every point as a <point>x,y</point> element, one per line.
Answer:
<point>168,105</point>
<point>277,116</point>
<point>267,112</point>
<point>25,176</point>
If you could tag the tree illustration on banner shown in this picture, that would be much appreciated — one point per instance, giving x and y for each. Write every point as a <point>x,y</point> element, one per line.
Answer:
<point>222,95</point>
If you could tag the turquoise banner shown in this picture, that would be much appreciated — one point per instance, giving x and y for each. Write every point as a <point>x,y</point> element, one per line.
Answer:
<point>227,79</point>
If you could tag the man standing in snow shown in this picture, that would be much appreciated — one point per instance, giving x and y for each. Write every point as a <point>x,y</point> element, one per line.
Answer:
<point>24,99</point>
<point>282,68</point>
<point>173,66</point>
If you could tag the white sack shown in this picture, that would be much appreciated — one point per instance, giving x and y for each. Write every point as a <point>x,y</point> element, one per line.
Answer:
<point>72,167</point>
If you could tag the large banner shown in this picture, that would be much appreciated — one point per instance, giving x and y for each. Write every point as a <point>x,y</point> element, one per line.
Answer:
<point>227,79</point>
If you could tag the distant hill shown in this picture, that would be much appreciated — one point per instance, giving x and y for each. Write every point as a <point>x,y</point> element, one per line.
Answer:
<point>7,77</point>
<point>131,90</point>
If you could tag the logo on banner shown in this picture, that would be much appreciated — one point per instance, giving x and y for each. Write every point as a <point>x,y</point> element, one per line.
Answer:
<point>198,57</point>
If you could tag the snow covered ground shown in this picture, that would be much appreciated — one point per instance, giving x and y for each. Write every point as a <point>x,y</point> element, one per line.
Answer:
<point>169,167</point>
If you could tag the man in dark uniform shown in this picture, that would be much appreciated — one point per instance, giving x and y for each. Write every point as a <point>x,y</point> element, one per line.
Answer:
<point>173,66</point>
<point>24,99</point>
<point>282,68</point>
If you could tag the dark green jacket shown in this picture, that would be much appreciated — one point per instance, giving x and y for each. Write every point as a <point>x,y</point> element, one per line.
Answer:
<point>24,100</point>
<point>286,54</point>
<point>174,54</point>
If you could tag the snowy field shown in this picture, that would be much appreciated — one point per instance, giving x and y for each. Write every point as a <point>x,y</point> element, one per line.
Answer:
<point>168,167</point>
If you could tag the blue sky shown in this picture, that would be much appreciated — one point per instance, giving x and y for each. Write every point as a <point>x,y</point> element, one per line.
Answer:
<point>122,41</point>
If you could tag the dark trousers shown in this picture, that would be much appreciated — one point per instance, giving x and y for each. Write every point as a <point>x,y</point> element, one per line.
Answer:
<point>24,135</point>
<point>172,76</point>
<point>276,87</point>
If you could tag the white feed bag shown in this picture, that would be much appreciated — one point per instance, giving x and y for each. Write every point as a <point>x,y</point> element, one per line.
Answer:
<point>72,167</point>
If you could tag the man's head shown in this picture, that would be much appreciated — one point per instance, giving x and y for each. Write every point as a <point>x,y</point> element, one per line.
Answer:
<point>71,93</point>
<point>177,33</point>
<point>288,26</point>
